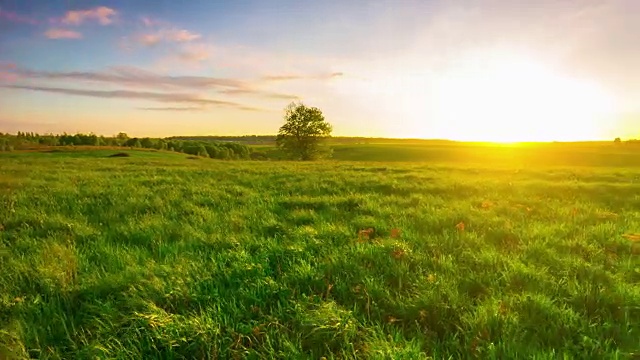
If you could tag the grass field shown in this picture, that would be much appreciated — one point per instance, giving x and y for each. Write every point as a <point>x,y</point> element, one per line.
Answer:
<point>477,252</point>
<point>540,155</point>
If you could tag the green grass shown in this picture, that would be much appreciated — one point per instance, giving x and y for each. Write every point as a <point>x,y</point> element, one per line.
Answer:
<point>597,154</point>
<point>590,154</point>
<point>158,256</point>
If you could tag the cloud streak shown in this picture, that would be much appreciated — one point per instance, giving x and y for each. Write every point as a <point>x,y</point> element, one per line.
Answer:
<point>102,14</point>
<point>138,78</point>
<point>138,95</point>
<point>132,76</point>
<point>7,76</point>
<point>302,77</point>
<point>195,53</point>
<point>265,94</point>
<point>167,35</point>
<point>194,108</point>
<point>158,31</point>
<point>150,22</point>
<point>171,108</point>
<point>57,33</point>
<point>14,17</point>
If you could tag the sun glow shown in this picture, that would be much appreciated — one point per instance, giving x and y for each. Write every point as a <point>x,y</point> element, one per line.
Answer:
<point>500,98</point>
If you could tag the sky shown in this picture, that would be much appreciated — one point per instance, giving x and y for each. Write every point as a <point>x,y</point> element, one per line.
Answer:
<point>485,70</point>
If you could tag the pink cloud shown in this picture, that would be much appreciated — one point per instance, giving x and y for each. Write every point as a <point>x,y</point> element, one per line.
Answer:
<point>164,31</point>
<point>149,39</point>
<point>56,33</point>
<point>167,35</point>
<point>181,35</point>
<point>147,21</point>
<point>151,22</point>
<point>102,14</point>
<point>8,72</point>
<point>7,76</point>
<point>8,66</point>
<point>17,18</point>
<point>195,53</point>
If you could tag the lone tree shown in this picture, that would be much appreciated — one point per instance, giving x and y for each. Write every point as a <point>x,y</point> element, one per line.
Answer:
<point>303,135</point>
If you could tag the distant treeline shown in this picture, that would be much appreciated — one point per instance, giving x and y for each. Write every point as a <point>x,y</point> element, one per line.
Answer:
<point>246,139</point>
<point>353,140</point>
<point>340,140</point>
<point>212,149</point>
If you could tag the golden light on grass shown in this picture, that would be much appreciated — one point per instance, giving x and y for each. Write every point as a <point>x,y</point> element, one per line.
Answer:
<point>632,237</point>
<point>486,204</point>
<point>606,215</point>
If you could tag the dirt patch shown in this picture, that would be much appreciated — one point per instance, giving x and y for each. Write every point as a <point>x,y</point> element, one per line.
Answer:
<point>120,154</point>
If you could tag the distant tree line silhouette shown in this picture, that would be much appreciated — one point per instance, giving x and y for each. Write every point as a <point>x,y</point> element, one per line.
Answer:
<point>211,149</point>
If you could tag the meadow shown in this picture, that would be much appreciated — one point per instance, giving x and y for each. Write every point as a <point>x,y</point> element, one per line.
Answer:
<point>476,251</point>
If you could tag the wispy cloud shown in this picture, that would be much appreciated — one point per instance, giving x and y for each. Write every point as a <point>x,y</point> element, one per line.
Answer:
<point>196,108</point>
<point>139,95</point>
<point>180,35</point>
<point>261,93</point>
<point>302,77</point>
<point>148,39</point>
<point>57,33</point>
<point>14,17</point>
<point>102,14</point>
<point>7,77</point>
<point>8,66</point>
<point>172,108</point>
<point>150,22</point>
<point>134,77</point>
<point>194,53</point>
<point>167,35</point>
<point>7,72</point>
<point>157,31</point>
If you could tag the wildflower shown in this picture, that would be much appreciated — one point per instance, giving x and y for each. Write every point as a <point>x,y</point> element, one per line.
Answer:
<point>398,253</point>
<point>365,234</point>
<point>486,204</point>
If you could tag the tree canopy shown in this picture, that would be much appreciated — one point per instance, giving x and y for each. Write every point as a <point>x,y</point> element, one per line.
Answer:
<point>303,135</point>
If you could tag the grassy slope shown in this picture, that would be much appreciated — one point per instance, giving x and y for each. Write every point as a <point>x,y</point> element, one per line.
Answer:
<point>163,257</point>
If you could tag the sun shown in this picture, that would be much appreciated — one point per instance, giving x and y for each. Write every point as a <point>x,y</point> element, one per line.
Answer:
<point>498,98</point>
<point>512,100</point>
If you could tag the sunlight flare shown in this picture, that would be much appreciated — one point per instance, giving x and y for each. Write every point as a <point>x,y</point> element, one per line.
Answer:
<point>516,100</point>
<point>497,98</point>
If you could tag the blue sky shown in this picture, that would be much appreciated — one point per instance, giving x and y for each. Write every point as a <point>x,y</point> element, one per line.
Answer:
<point>469,70</point>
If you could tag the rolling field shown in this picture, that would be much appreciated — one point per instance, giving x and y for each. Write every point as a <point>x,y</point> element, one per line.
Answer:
<point>476,252</point>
